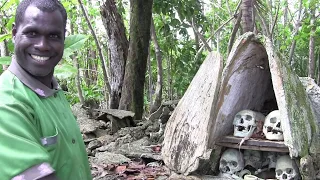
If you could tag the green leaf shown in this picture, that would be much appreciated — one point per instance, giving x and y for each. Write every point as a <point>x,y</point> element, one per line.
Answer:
<point>10,22</point>
<point>65,71</point>
<point>175,22</point>
<point>5,60</point>
<point>73,43</point>
<point>4,37</point>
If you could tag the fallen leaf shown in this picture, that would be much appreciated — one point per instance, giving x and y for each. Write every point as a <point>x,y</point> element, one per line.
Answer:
<point>120,169</point>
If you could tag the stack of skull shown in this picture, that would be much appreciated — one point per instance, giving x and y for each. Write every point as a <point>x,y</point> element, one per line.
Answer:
<point>237,163</point>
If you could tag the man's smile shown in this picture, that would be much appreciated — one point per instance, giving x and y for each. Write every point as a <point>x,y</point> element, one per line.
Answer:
<point>39,58</point>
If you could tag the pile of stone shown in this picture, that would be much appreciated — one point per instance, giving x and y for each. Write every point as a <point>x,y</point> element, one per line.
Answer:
<point>110,150</point>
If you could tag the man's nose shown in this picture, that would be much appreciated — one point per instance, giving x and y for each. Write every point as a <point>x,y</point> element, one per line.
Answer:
<point>42,44</point>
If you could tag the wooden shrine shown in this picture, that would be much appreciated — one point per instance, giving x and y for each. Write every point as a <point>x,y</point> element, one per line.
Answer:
<point>255,78</point>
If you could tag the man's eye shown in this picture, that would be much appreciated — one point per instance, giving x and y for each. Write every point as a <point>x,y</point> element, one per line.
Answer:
<point>32,33</point>
<point>54,36</point>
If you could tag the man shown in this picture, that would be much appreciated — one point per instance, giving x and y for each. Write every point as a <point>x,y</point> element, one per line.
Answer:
<point>39,136</point>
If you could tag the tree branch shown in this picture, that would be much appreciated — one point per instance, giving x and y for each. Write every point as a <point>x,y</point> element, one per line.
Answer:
<point>105,75</point>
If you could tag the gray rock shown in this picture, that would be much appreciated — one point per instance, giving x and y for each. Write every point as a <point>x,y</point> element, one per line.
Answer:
<point>162,178</point>
<point>135,149</point>
<point>117,113</point>
<point>108,158</point>
<point>155,156</point>
<point>313,91</point>
<point>88,125</point>
<point>102,132</point>
<point>108,147</point>
<point>135,132</point>
<point>106,139</point>
<point>94,144</point>
<point>78,111</point>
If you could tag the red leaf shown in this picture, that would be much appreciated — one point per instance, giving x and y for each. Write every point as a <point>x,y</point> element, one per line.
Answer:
<point>120,169</point>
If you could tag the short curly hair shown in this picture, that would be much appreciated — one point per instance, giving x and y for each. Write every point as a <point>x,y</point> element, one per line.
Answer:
<point>43,5</point>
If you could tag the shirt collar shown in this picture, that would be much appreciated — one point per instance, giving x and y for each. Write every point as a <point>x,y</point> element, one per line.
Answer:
<point>29,81</point>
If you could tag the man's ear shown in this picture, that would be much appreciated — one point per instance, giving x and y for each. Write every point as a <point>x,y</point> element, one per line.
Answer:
<point>14,32</point>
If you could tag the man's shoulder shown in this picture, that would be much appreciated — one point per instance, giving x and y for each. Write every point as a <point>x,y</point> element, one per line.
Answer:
<point>5,77</point>
<point>11,88</point>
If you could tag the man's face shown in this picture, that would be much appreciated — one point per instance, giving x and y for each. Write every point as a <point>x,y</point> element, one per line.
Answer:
<point>39,41</point>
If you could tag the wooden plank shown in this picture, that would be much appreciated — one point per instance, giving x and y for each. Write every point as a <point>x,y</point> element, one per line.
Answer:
<point>187,131</point>
<point>253,142</point>
<point>298,122</point>
<point>258,148</point>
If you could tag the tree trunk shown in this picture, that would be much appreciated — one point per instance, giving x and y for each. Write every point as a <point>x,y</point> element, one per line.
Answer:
<point>150,89</point>
<point>195,29</point>
<point>318,82</point>
<point>296,30</point>
<point>158,93</point>
<point>311,45</point>
<point>285,14</point>
<point>118,49</point>
<point>4,52</point>
<point>134,79</point>
<point>76,64</point>
<point>104,70</point>
<point>234,31</point>
<point>247,15</point>
<point>169,77</point>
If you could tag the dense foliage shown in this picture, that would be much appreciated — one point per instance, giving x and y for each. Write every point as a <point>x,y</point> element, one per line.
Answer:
<point>178,24</point>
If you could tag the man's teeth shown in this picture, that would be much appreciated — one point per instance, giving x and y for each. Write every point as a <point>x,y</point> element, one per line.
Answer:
<point>39,58</point>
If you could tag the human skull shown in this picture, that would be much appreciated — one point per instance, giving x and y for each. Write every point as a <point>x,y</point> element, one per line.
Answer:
<point>245,121</point>
<point>272,126</point>
<point>231,161</point>
<point>286,168</point>
<point>252,158</point>
<point>269,159</point>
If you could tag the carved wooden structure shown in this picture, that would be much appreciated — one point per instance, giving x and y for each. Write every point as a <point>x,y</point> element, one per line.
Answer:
<point>255,78</point>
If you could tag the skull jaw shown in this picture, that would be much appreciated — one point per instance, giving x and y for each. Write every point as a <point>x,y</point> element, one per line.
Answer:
<point>228,170</point>
<point>243,132</point>
<point>286,177</point>
<point>273,134</point>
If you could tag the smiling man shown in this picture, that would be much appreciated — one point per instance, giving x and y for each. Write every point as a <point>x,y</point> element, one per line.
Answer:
<point>39,136</point>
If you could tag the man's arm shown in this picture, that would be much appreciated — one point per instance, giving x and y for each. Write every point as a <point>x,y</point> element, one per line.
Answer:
<point>21,148</point>
<point>50,177</point>
<point>42,171</point>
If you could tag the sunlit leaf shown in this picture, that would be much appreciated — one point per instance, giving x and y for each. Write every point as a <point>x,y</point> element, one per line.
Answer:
<point>65,71</point>
<point>5,60</point>
<point>4,37</point>
<point>74,43</point>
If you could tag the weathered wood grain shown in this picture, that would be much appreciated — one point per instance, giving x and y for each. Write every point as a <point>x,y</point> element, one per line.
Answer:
<point>186,134</point>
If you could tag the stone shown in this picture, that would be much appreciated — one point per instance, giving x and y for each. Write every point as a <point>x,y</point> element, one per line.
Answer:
<point>87,125</point>
<point>94,144</point>
<point>109,158</point>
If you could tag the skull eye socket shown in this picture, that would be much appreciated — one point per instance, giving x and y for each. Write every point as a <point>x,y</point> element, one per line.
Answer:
<point>273,120</point>
<point>234,163</point>
<point>289,171</point>
<point>223,162</point>
<point>278,172</point>
<point>248,118</point>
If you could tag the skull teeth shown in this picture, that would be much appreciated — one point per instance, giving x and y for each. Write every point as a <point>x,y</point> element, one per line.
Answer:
<point>274,131</point>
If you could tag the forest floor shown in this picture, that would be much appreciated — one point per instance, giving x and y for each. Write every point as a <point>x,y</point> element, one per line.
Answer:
<point>130,153</point>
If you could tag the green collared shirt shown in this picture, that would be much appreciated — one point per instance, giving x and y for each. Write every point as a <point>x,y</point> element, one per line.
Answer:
<point>38,132</point>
